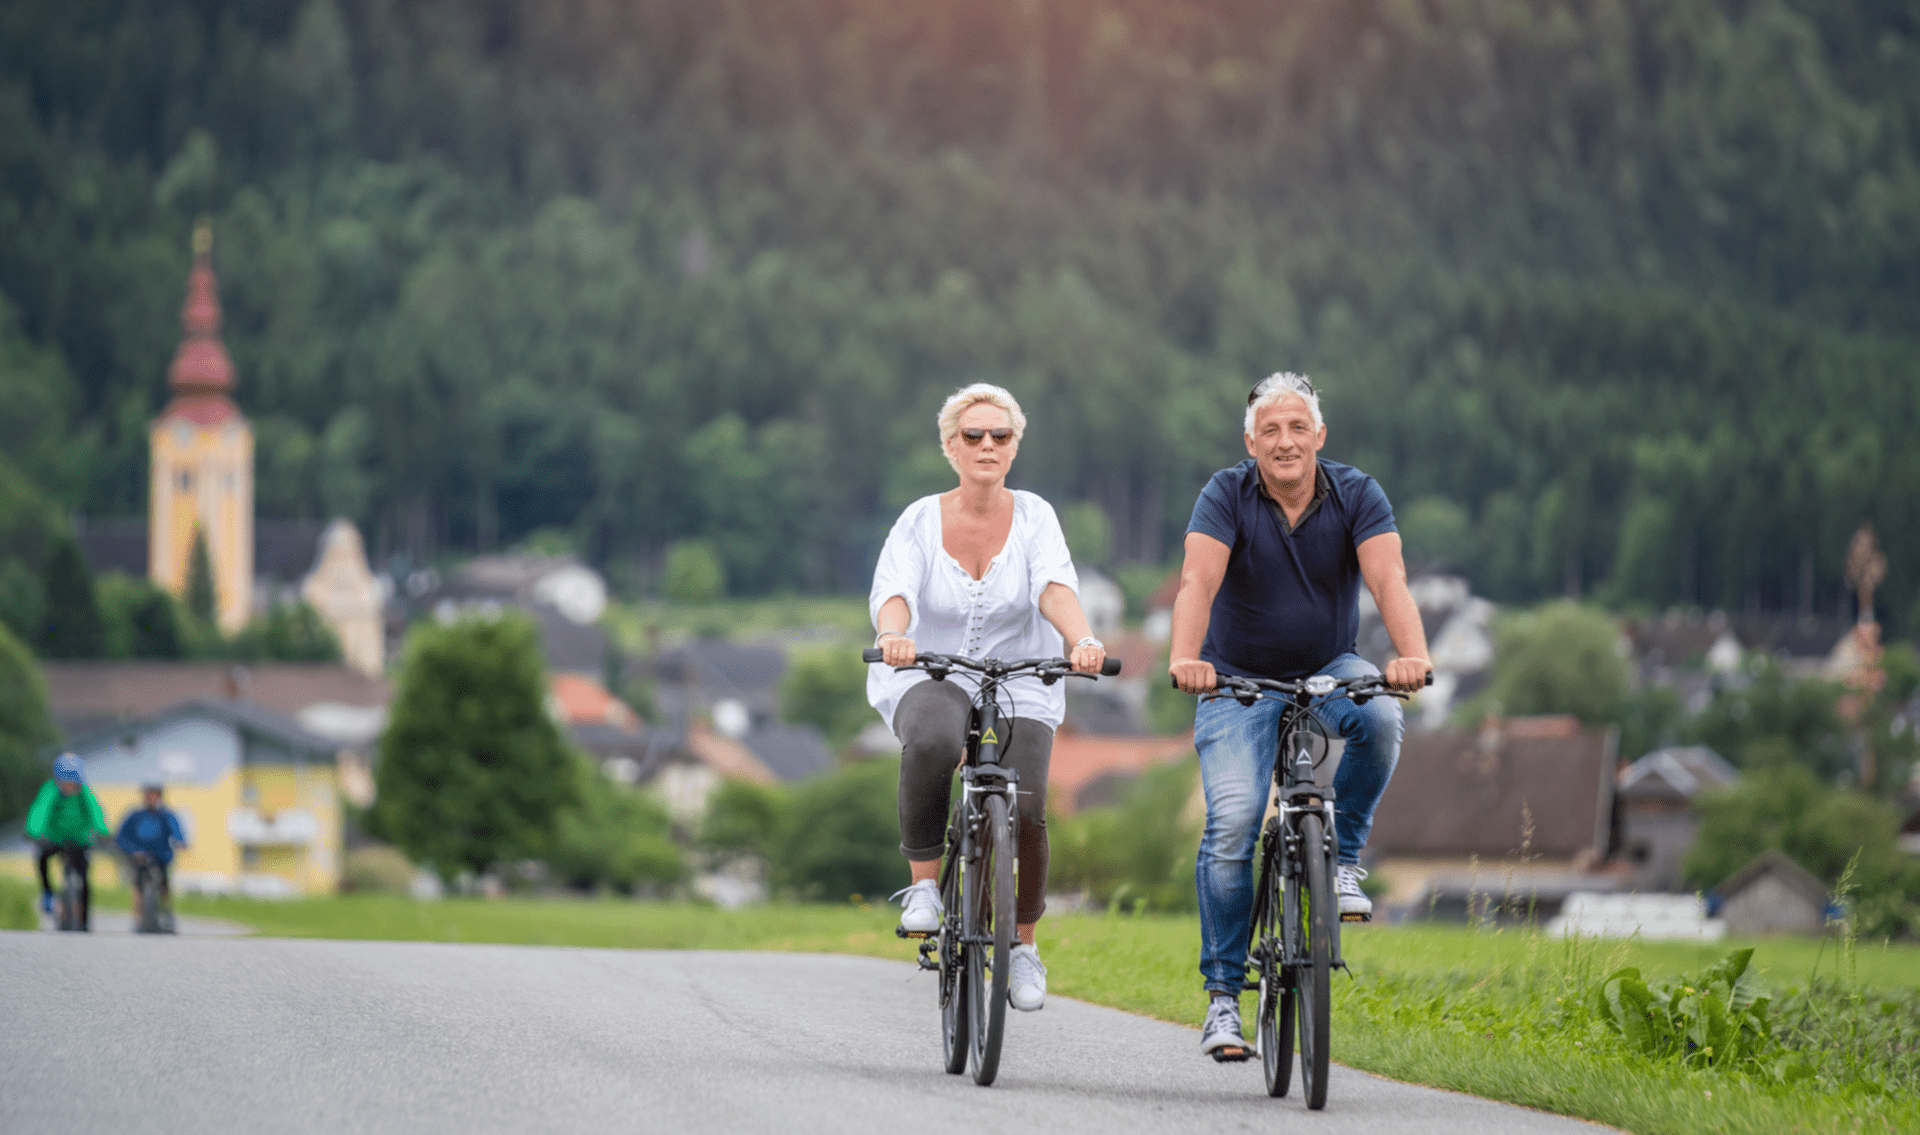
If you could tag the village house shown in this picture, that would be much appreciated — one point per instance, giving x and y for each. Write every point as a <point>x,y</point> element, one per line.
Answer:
<point>1771,895</point>
<point>1657,823</point>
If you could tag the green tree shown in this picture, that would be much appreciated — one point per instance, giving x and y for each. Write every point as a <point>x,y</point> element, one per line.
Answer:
<point>839,835</point>
<point>473,771</point>
<point>613,836</point>
<point>827,689</point>
<point>741,818</point>
<point>693,573</point>
<point>142,620</point>
<point>1089,534</point>
<point>288,632</point>
<point>72,627</point>
<point>26,727</point>
<point>1775,719</point>
<point>201,601</point>
<point>1560,658</point>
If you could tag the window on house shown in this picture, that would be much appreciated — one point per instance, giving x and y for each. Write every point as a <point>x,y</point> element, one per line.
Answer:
<point>250,857</point>
<point>186,480</point>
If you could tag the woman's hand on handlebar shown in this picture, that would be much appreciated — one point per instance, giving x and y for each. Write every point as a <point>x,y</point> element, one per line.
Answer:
<point>897,650</point>
<point>1193,676</point>
<point>1089,658</point>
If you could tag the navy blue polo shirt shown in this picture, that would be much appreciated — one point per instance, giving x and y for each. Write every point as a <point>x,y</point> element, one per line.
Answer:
<point>1290,601</point>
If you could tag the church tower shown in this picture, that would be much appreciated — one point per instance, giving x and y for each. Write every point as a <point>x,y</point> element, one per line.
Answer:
<point>202,477</point>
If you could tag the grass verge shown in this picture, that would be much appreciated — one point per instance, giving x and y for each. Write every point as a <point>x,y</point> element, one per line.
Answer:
<point>1473,1011</point>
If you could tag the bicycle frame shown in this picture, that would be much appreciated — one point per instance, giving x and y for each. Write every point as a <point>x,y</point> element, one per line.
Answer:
<point>1282,849</point>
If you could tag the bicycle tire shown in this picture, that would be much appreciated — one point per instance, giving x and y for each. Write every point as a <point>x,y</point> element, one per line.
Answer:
<point>1275,1021</point>
<point>71,916</point>
<point>1315,976</point>
<point>954,1014</point>
<point>992,904</point>
<point>149,902</point>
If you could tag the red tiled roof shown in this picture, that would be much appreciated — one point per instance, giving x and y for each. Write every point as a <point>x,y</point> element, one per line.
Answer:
<point>583,701</point>
<point>94,692</point>
<point>1078,760</point>
<point>201,363</point>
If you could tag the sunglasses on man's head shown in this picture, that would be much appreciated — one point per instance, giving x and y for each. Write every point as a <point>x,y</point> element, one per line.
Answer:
<point>1000,436</point>
<point>1254,394</point>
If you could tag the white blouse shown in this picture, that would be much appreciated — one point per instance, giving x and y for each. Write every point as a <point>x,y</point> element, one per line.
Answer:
<point>950,612</point>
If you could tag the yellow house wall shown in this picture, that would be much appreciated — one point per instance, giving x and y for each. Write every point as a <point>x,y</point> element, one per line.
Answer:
<point>315,867</point>
<point>202,479</point>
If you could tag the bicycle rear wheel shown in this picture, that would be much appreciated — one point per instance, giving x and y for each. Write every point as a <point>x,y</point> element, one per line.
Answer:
<point>990,901</point>
<point>954,1013</point>
<point>71,915</point>
<point>1314,980</point>
<point>1275,1021</point>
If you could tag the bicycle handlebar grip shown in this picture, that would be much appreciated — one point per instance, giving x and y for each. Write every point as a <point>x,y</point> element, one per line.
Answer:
<point>1111,667</point>
<point>871,654</point>
<point>1429,680</point>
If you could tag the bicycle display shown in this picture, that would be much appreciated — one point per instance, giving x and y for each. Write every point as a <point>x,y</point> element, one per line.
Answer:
<point>970,950</point>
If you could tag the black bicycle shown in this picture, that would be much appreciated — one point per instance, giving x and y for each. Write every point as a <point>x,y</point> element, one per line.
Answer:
<point>152,913</point>
<point>971,948</point>
<point>70,905</point>
<point>1294,946</point>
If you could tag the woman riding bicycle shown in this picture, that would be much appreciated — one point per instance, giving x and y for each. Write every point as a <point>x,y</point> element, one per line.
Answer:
<point>980,571</point>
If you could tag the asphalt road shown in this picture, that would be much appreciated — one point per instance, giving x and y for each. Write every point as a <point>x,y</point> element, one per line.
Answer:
<point>244,1035</point>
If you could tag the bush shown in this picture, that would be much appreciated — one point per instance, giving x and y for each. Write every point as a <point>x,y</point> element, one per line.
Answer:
<point>1136,854</point>
<point>828,690</point>
<point>377,870</point>
<point>742,818</point>
<point>1559,658</point>
<point>614,837</point>
<point>840,834</point>
<point>18,904</point>
<point>288,632</point>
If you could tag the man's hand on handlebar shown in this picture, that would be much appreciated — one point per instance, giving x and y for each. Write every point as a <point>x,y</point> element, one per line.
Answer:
<point>1409,673</point>
<point>1193,675</point>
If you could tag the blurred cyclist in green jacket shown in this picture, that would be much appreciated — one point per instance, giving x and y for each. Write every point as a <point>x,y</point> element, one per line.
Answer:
<point>64,817</point>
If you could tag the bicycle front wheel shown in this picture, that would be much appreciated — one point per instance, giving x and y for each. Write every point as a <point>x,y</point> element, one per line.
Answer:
<point>954,1014</point>
<point>1276,982</point>
<point>990,900</point>
<point>1314,978</point>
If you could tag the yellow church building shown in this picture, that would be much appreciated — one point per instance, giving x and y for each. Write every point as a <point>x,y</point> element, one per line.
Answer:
<point>202,447</point>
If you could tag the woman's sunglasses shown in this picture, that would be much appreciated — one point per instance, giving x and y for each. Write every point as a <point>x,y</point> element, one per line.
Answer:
<point>974,437</point>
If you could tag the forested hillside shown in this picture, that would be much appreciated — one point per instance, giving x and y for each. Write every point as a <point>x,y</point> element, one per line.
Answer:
<point>1616,297</point>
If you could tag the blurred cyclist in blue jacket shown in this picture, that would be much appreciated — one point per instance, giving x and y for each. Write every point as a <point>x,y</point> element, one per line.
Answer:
<point>152,832</point>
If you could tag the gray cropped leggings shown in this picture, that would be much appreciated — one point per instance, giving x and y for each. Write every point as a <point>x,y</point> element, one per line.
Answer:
<point>931,722</point>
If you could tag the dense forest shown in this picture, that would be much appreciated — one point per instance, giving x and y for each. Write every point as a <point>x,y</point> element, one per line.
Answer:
<point>1617,298</point>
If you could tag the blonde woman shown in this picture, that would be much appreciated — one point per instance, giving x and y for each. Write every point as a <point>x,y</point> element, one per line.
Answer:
<point>981,571</point>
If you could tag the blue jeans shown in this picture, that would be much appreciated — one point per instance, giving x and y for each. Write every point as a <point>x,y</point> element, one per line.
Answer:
<point>1237,746</point>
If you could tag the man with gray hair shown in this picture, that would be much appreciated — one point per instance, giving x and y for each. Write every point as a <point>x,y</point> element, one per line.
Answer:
<point>1275,554</point>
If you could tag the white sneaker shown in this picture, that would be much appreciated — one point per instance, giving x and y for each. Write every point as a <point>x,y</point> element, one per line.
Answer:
<point>922,909</point>
<point>1222,1029</point>
<point>1027,984</point>
<point>1346,884</point>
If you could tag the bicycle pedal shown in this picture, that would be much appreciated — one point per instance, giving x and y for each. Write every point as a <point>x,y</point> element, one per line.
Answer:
<point>1356,918</point>
<point>1232,1054</point>
<point>902,932</point>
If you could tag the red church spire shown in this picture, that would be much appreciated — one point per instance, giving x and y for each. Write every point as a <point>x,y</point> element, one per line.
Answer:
<point>202,372</point>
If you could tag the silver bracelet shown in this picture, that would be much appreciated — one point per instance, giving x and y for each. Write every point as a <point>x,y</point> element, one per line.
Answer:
<point>883,634</point>
<point>1089,641</point>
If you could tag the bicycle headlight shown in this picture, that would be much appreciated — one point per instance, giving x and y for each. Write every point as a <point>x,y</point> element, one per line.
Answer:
<point>1321,685</point>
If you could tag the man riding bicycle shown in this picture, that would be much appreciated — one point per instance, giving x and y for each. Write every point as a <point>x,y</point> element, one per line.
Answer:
<point>64,818</point>
<point>1275,553</point>
<point>149,834</point>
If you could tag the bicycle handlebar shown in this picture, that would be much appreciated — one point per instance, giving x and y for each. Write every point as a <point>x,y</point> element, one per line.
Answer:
<point>1319,685</point>
<point>992,666</point>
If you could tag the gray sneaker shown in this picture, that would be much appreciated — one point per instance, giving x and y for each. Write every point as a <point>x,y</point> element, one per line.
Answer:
<point>1220,1037</point>
<point>1346,885</point>
<point>920,912</point>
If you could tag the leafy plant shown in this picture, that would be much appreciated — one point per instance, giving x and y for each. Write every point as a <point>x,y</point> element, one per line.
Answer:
<point>1718,1018</point>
